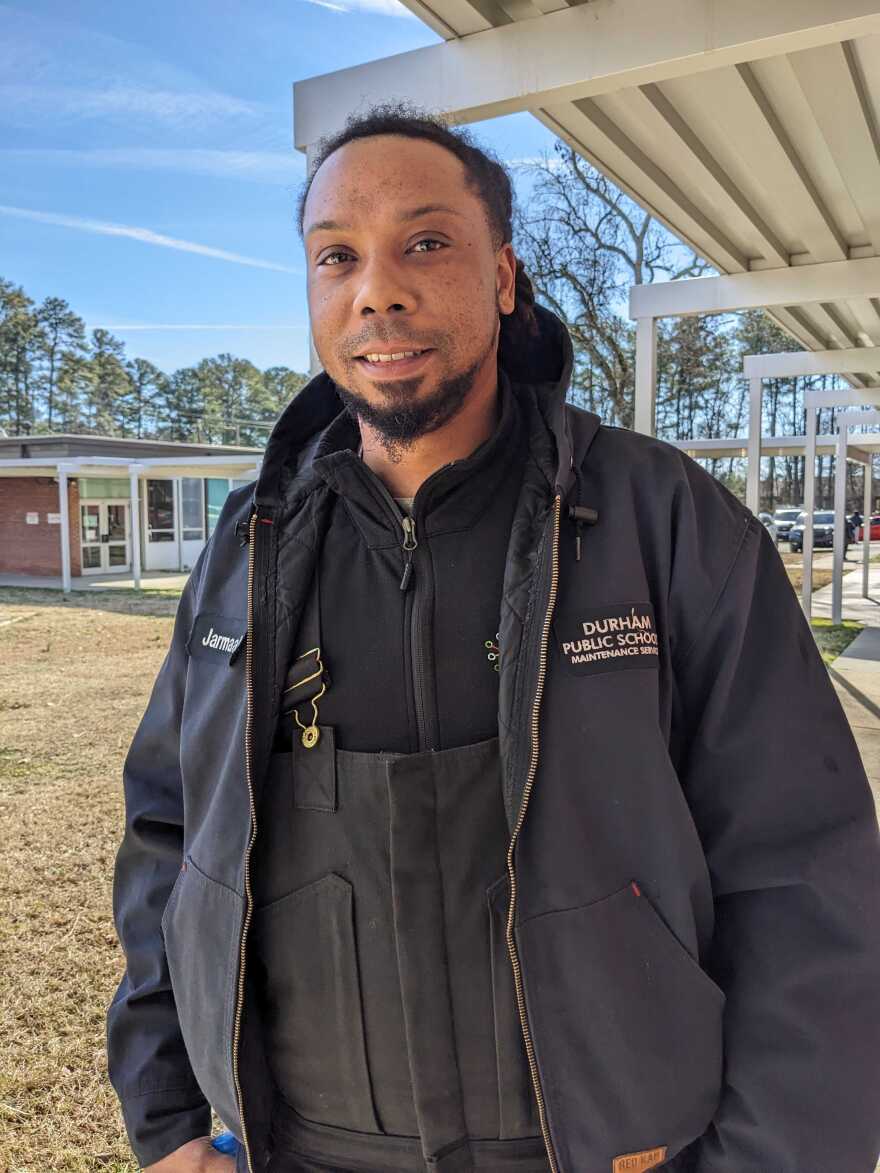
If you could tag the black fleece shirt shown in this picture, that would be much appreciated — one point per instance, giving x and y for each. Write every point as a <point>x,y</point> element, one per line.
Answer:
<point>415,668</point>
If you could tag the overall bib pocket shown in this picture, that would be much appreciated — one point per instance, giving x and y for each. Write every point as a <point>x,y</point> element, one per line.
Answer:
<point>305,943</point>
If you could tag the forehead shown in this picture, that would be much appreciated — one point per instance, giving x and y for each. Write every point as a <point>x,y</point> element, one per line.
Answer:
<point>377,178</point>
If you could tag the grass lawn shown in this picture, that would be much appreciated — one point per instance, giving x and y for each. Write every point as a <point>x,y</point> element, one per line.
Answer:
<point>833,638</point>
<point>77,672</point>
<point>794,565</point>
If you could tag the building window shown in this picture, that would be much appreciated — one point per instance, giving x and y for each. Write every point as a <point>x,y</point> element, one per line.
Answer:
<point>191,506</point>
<point>160,511</point>
<point>216,492</point>
<point>104,487</point>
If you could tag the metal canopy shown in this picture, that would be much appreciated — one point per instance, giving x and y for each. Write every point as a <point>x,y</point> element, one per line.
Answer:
<point>751,130</point>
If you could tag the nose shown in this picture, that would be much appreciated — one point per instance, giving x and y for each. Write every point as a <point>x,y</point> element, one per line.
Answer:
<point>382,290</point>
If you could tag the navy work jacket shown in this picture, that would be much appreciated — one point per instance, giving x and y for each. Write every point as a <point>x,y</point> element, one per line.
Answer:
<point>694,859</point>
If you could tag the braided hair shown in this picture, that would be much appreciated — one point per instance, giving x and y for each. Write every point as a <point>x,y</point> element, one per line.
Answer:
<point>485,174</point>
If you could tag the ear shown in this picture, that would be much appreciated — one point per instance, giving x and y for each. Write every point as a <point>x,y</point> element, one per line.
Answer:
<point>505,278</point>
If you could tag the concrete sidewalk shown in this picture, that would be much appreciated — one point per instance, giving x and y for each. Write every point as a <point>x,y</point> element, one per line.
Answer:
<point>863,610</point>
<point>150,579</point>
<point>855,675</point>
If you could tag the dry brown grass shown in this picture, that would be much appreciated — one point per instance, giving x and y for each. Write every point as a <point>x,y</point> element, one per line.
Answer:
<point>75,678</point>
<point>794,565</point>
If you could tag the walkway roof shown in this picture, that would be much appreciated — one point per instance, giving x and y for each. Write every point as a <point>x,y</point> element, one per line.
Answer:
<point>750,129</point>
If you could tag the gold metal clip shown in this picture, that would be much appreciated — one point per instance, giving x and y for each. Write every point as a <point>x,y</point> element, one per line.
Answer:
<point>310,733</point>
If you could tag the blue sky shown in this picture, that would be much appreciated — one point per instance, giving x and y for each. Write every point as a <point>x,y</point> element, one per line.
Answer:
<point>147,172</point>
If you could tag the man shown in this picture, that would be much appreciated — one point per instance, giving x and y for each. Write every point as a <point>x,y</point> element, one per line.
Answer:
<point>492,808</point>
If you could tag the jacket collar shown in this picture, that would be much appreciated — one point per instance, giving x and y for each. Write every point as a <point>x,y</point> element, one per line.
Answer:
<point>539,368</point>
<point>452,498</point>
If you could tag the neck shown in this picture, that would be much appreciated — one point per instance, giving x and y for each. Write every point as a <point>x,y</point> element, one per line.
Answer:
<point>474,423</point>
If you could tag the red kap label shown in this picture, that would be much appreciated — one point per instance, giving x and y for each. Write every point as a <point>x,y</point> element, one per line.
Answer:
<point>638,1162</point>
<point>602,639</point>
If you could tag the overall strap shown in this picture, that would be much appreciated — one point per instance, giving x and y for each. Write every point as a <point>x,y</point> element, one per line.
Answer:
<point>307,675</point>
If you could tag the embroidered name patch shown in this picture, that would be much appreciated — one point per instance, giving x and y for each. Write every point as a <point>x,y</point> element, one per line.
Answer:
<point>600,639</point>
<point>216,637</point>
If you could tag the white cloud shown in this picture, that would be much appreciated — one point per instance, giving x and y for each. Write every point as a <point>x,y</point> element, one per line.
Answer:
<point>62,68</point>
<point>548,161</point>
<point>177,108</point>
<point>378,7</point>
<point>144,235</point>
<point>277,167</point>
<point>161,326</point>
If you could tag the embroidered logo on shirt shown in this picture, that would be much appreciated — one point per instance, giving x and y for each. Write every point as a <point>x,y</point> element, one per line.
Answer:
<point>638,1162</point>
<point>599,639</point>
<point>492,654</point>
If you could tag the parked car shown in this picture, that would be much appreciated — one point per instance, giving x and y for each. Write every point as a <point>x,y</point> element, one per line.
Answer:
<point>769,525</point>
<point>784,518</point>
<point>875,529</point>
<point>823,531</point>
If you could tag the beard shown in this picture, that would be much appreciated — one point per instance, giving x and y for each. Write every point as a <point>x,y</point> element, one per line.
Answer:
<point>404,417</point>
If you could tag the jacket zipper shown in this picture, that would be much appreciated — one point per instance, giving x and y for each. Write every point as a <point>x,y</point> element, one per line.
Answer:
<point>409,544</point>
<point>415,627</point>
<point>249,664</point>
<point>533,766</point>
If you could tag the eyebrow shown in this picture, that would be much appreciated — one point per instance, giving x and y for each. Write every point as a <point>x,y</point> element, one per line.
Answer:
<point>409,214</point>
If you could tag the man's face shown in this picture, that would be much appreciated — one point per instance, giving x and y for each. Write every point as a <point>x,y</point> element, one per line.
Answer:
<point>401,258</point>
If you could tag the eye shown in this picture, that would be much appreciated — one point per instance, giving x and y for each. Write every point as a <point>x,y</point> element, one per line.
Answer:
<point>342,252</point>
<point>429,240</point>
<point>328,259</point>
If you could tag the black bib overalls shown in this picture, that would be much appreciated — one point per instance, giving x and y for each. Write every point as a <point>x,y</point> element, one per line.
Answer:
<point>380,904</point>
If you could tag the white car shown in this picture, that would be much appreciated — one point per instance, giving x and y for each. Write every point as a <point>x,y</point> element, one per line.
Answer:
<point>769,525</point>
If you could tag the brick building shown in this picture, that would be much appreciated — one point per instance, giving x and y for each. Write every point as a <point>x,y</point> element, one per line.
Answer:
<point>75,506</point>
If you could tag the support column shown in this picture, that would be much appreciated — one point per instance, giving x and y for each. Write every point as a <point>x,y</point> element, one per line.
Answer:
<point>315,365</point>
<point>63,470</point>
<point>753,472</point>
<point>839,532</point>
<point>809,506</point>
<point>646,376</point>
<point>134,471</point>
<point>866,524</point>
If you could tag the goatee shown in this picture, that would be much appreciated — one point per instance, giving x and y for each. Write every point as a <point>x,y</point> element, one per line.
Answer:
<point>406,416</point>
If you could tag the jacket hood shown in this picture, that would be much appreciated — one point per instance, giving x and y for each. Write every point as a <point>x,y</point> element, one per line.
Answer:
<point>538,365</point>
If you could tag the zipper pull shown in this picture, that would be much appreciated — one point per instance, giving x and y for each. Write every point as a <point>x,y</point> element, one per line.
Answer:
<point>409,544</point>
<point>242,532</point>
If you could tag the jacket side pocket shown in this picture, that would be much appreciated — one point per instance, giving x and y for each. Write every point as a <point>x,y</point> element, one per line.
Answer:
<point>200,926</point>
<point>627,1029</point>
<point>313,1015</point>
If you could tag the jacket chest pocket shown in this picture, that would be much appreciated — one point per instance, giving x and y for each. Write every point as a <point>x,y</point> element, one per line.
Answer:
<point>314,772</point>
<point>305,942</point>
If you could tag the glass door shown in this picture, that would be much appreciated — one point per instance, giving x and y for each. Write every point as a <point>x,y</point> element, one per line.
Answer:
<point>105,534</point>
<point>90,532</point>
<point>116,529</point>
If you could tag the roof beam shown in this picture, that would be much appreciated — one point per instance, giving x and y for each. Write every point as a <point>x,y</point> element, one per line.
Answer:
<point>775,250</point>
<point>791,364</point>
<point>797,285</point>
<point>753,87</point>
<point>578,52</point>
<point>731,256</point>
